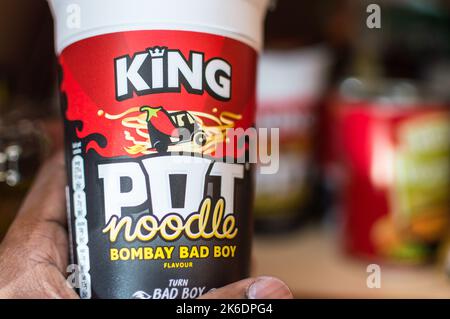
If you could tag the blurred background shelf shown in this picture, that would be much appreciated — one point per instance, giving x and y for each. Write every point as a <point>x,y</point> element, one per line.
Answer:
<point>313,265</point>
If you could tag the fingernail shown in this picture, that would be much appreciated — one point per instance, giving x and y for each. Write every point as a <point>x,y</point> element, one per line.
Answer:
<point>268,288</point>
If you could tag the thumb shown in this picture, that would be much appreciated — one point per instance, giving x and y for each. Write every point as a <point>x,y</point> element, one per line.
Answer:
<point>252,288</point>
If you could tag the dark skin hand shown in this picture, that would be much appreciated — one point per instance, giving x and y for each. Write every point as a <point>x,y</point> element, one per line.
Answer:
<point>34,253</point>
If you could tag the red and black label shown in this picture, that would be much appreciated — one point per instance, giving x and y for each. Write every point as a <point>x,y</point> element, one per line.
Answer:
<point>157,209</point>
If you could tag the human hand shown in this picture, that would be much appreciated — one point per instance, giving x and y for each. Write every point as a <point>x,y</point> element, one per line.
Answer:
<point>34,253</point>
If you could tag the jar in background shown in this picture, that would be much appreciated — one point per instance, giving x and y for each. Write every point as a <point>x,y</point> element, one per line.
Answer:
<point>392,141</point>
<point>290,85</point>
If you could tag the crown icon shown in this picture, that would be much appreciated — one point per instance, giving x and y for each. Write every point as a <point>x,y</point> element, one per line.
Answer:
<point>157,51</point>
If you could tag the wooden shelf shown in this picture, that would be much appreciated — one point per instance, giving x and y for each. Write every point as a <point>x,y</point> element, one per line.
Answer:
<point>313,265</point>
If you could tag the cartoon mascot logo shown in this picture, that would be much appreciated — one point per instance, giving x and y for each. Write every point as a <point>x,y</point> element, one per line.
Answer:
<point>171,128</point>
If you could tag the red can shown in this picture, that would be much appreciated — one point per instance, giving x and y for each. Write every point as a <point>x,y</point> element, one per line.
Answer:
<point>393,152</point>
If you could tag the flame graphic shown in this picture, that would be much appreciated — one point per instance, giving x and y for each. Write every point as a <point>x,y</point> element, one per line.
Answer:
<point>136,131</point>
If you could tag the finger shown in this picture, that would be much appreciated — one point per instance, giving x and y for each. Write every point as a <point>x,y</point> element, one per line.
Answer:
<point>252,288</point>
<point>45,201</point>
<point>268,288</point>
<point>236,290</point>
